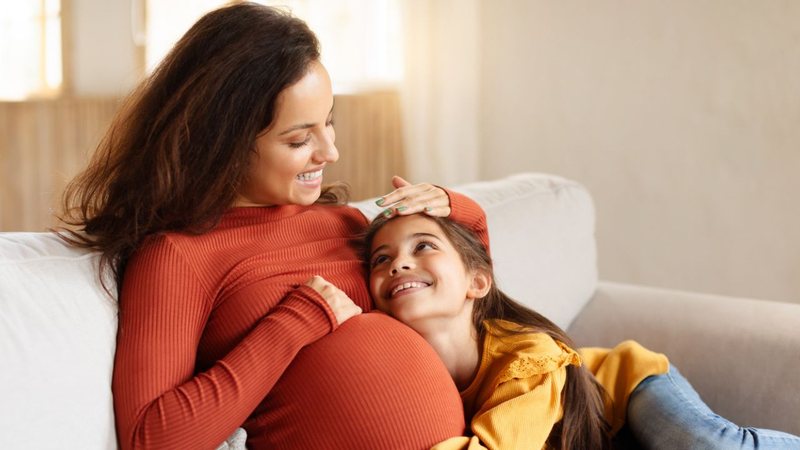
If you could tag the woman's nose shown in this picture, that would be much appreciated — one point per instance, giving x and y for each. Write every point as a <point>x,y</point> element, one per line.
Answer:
<point>326,152</point>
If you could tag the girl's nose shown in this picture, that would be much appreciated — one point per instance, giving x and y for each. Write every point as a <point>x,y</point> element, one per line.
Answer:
<point>400,266</point>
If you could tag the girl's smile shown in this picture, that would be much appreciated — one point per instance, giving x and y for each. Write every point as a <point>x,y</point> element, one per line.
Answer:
<point>404,286</point>
<point>416,275</point>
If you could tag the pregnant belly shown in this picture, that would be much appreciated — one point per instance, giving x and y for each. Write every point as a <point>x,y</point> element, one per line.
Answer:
<point>371,384</point>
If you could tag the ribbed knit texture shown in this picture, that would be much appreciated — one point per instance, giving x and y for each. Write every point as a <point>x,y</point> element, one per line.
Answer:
<point>218,330</point>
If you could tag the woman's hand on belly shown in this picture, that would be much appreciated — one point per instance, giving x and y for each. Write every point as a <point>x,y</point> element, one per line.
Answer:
<point>342,306</point>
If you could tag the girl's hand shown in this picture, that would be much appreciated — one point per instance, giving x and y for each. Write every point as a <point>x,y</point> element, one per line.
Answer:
<point>341,305</point>
<point>410,198</point>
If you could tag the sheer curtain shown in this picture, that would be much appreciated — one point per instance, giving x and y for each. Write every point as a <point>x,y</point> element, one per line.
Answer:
<point>30,49</point>
<point>440,90</point>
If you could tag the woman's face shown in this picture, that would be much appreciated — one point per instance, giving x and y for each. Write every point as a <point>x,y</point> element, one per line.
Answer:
<point>287,166</point>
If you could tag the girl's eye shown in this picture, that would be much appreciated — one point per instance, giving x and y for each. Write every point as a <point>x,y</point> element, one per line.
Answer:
<point>300,144</point>
<point>424,246</point>
<point>329,123</point>
<point>380,259</point>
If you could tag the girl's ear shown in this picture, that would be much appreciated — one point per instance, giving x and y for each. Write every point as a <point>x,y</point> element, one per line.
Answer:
<point>479,285</point>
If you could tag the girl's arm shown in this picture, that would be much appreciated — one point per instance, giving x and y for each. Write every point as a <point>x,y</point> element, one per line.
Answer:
<point>519,414</point>
<point>159,401</point>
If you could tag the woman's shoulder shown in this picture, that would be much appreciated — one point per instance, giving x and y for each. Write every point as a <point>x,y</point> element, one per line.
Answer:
<point>167,248</point>
<point>168,241</point>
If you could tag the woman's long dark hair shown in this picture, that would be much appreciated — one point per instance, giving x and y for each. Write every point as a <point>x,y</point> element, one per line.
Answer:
<point>181,144</point>
<point>583,425</point>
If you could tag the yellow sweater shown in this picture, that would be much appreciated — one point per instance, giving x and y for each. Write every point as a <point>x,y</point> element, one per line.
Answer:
<point>515,398</point>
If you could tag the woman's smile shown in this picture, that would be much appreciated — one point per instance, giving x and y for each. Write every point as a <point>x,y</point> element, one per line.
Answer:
<point>310,179</point>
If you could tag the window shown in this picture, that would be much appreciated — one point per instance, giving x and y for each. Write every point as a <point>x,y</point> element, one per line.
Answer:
<point>30,49</point>
<point>166,23</point>
<point>361,39</point>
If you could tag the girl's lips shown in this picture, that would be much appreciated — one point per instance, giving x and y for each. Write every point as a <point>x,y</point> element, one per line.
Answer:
<point>403,287</point>
<point>408,291</point>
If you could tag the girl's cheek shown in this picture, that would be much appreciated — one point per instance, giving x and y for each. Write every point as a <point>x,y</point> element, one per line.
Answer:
<point>372,287</point>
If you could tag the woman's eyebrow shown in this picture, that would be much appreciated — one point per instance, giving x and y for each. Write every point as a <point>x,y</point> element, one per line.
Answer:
<point>302,126</point>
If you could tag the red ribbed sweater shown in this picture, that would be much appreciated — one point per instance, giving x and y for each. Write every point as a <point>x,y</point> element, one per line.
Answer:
<point>214,332</point>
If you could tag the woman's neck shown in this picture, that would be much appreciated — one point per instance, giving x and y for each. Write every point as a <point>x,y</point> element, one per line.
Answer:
<point>456,342</point>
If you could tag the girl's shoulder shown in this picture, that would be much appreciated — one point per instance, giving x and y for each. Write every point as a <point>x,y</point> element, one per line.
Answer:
<point>513,332</point>
<point>524,352</point>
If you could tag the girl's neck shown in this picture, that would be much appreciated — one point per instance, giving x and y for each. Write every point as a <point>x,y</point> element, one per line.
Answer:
<point>456,342</point>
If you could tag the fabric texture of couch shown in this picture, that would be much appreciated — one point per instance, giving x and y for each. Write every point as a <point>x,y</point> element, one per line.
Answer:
<point>58,327</point>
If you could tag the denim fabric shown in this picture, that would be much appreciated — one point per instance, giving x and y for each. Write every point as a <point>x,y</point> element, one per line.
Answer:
<point>665,412</point>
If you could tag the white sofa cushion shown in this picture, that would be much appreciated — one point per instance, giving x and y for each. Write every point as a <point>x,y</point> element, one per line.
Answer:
<point>57,340</point>
<point>541,230</point>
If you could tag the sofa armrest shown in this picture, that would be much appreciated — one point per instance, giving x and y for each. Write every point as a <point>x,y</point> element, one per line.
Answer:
<point>742,356</point>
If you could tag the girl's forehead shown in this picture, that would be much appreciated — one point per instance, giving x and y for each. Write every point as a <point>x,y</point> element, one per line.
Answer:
<point>399,228</point>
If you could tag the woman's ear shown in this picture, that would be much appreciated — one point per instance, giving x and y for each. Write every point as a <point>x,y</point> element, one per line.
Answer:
<point>479,285</point>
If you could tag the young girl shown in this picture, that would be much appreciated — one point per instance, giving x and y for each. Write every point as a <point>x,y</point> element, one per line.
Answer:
<point>522,383</point>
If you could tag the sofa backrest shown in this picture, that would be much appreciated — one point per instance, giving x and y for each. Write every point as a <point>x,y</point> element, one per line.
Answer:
<point>58,326</point>
<point>57,338</point>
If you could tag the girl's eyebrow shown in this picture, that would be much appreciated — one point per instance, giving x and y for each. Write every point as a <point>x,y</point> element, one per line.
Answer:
<point>409,238</point>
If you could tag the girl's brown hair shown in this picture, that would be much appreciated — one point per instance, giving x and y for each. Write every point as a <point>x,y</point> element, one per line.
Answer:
<point>181,144</point>
<point>583,425</point>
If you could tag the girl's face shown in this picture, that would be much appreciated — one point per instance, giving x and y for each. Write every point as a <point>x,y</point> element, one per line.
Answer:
<point>293,151</point>
<point>417,275</point>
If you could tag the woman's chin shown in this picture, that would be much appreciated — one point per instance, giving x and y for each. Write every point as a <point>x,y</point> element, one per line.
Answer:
<point>305,200</point>
<point>306,194</point>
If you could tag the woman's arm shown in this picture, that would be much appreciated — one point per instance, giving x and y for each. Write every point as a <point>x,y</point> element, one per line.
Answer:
<point>159,401</point>
<point>467,212</point>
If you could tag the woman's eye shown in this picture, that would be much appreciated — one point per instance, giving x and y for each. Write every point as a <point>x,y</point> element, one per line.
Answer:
<point>300,144</point>
<point>329,123</point>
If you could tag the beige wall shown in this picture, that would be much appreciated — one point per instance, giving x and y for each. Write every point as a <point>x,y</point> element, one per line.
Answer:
<point>681,117</point>
<point>103,58</point>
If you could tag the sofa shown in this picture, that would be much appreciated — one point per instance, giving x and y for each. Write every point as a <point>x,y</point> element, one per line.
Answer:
<point>58,326</point>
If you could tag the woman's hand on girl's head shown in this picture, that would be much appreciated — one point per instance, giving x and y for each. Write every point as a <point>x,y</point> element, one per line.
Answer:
<point>410,198</point>
<point>342,306</point>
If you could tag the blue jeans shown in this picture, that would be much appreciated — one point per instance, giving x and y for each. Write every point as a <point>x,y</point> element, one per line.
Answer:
<point>665,412</point>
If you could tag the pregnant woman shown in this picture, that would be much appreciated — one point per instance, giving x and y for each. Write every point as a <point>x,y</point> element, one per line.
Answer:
<point>241,291</point>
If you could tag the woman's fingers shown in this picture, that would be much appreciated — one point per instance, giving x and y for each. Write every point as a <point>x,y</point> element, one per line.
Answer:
<point>435,203</point>
<point>342,306</point>
<point>403,193</point>
<point>412,199</point>
<point>398,182</point>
